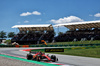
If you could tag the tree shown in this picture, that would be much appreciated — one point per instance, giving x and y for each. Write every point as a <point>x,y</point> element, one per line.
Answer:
<point>54,33</point>
<point>60,33</point>
<point>3,34</point>
<point>11,34</point>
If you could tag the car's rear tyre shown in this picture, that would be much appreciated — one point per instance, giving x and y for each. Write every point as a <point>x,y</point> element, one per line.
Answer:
<point>37,58</point>
<point>57,59</point>
<point>54,58</point>
<point>29,57</point>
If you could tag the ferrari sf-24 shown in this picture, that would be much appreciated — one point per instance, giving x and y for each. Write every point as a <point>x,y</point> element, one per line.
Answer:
<point>39,56</point>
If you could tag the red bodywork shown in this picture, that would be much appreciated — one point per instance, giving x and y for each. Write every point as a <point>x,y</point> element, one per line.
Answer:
<point>47,58</point>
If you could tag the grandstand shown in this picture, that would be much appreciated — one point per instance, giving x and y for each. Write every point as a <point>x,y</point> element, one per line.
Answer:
<point>33,34</point>
<point>89,30</point>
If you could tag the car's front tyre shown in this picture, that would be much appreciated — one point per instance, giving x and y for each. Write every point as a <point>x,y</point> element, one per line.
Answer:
<point>54,58</point>
<point>29,57</point>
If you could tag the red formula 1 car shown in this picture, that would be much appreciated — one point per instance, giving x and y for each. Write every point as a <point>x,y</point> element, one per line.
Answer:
<point>39,56</point>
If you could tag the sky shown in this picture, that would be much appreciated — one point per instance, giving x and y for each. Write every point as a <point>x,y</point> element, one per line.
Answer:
<point>31,12</point>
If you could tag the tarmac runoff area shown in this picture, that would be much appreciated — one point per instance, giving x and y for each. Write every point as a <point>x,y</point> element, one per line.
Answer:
<point>12,62</point>
<point>65,59</point>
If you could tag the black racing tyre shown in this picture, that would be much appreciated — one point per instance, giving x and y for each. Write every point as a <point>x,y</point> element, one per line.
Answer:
<point>54,58</point>
<point>57,59</point>
<point>29,56</point>
<point>37,58</point>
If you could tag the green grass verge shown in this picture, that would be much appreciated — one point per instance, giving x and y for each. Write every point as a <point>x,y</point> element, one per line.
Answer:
<point>91,52</point>
<point>79,51</point>
<point>77,42</point>
<point>72,43</point>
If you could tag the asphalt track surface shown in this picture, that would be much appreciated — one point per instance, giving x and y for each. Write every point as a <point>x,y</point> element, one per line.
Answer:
<point>68,60</point>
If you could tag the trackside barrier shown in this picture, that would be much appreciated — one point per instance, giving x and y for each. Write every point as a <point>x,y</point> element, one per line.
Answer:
<point>83,47</point>
<point>7,46</point>
<point>61,45</point>
<point>16,45</point>
<point>75,45</point>
<point>25,45</point>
